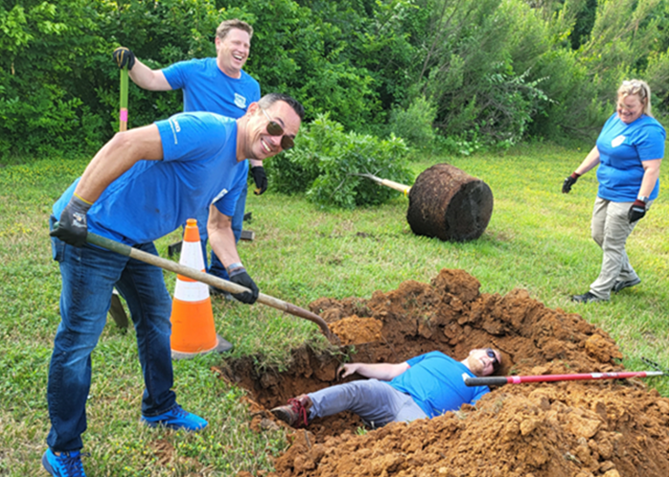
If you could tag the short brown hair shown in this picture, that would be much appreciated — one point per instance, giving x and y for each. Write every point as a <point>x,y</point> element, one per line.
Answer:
<point>234,24</point>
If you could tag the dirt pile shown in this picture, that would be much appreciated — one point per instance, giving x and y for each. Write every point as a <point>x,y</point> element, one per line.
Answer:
<point>589,428</point>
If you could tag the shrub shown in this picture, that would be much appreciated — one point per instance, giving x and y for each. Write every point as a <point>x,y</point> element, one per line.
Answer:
<point>414,124</point>
<point>326,163</point>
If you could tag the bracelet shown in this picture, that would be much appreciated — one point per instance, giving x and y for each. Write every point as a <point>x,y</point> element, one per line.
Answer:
<point>233,266</point>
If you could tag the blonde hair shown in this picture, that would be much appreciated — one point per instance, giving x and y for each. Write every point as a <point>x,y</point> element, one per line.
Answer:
<point>227,25</point>
<point>639,88</point>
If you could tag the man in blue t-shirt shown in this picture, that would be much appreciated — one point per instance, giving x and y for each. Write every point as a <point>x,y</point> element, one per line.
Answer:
<point>218,85</point>
<point>423,387</point>
<point>143,184</point>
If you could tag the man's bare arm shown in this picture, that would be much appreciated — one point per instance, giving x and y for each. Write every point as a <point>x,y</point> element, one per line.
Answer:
<point>221,237</point>
<point>116,157</point>
<point>146,78</point>
<point>382,371</point>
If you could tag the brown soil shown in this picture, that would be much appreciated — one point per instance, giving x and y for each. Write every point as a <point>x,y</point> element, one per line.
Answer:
<point>571,428</point>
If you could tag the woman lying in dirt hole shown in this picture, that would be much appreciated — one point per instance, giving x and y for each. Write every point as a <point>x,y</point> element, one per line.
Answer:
<point>427,385</point>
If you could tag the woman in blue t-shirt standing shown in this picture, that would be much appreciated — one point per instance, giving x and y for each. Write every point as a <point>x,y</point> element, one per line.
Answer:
<point>629,151</point>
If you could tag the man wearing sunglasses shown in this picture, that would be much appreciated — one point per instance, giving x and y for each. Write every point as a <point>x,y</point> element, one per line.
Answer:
<point>423,387</point>
<point>218,85</point>
<point>143,184</point>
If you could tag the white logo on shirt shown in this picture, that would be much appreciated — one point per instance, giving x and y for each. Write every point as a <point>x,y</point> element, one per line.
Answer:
<point>174,125</point>
<point>220,196</point>
<point>618,141</point>
<point>240,101</point>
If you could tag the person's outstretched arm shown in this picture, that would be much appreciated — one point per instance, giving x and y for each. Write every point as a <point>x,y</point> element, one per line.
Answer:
<point>142,75</point>
<point>590,161</point>
<point>382,371</point>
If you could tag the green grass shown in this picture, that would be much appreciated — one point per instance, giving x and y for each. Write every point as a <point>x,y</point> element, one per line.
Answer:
<point>537,239</point>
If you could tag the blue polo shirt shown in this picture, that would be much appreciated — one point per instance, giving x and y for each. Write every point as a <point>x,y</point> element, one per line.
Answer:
<point>206,88</point>
<point>434,380</point>
<point>622,148</point>
<point>153,198</point>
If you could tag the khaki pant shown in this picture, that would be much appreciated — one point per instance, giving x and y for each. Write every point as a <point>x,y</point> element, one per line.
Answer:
<point>610,229</point>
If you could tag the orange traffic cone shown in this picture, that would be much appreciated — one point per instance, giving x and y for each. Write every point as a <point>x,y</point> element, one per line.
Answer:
<point>192,317</point>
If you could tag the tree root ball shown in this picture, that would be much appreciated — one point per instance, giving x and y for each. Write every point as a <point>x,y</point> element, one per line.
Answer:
<point>449,204</point>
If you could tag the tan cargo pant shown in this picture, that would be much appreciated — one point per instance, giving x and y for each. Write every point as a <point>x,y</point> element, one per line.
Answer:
<point>610,228</point>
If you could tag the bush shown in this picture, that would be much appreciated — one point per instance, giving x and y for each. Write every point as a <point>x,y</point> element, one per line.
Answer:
<point>326,163</point>
<point>414,124</point>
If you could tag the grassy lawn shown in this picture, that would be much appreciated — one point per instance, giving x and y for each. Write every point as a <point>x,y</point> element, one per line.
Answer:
<point>537,239</point>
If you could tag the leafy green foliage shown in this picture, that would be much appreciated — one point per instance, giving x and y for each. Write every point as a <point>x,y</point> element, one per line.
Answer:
<point>496,71</point>
<point>326,164</point>
<point>414,124</point>
<point>43,84</point>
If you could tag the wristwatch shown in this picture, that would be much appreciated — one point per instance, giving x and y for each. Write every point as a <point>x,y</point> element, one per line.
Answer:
<point>642,198</point>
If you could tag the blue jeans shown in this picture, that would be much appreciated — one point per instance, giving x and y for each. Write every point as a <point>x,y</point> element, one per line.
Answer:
<point>216,267</point>
<point>376,402</point>
<point>89,275</point>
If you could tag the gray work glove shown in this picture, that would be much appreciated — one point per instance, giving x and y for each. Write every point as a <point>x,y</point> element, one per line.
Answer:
<point>240,277</point>
<point>123,56</point>
<point>72,227</point>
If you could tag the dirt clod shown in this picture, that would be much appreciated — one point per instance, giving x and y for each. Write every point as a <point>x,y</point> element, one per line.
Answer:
<point>611,428</point>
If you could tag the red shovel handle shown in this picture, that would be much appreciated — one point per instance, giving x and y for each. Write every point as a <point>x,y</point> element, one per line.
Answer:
<point>499,380</point>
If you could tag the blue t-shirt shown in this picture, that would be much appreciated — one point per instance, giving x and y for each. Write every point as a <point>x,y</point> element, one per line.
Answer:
<point>154,198</point>
<point>206,88</point>
<point>622,147</point>
<point>434,380</point>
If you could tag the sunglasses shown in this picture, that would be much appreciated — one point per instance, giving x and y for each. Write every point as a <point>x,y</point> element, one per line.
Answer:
<point>491,354</point>
<point>275,129</point>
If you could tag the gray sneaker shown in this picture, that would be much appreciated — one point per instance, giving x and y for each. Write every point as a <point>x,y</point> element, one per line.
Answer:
<point>620,285</point>
<point>586,298</point>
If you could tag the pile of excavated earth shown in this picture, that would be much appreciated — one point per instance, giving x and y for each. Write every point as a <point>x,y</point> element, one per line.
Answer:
<point>605,428</point>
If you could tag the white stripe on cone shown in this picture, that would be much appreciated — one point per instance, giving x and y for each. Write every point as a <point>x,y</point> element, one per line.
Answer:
<point>191,256</point>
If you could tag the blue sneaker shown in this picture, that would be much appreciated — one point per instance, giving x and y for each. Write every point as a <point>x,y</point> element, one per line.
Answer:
<point>67,464</point>
<point>176,418</point>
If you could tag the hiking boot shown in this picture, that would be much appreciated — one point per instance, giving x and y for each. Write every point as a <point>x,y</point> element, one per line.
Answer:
<point>620,285</point>
<point>586,298</point>
<point>295,413</point>
<point>176,418</point>
<point>67,464</point>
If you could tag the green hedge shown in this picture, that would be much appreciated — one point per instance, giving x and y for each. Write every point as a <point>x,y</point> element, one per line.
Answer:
<point>489,71</point>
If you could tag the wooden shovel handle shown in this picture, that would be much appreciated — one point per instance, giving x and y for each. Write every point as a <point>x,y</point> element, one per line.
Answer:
<point>212,280</point>
<point>388,183</point>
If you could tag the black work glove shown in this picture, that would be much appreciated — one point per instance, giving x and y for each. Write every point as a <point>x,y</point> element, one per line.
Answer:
<point>240,277</point>
<point>260,178</point>
<point>72,227</point>
<point>637,211</point>
<point>123,56</point>
<point>568,182</point>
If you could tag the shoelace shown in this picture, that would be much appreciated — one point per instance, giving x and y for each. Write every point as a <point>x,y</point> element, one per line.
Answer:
<point>300,410</point>
<point>72,463</point>
<point>179,412</point>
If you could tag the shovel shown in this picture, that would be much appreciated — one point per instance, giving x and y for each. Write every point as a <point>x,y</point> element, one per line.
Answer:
<point>385,182</point>
<point>212,280</point>
<point>543,378</point>
<point>116,310</point>
<point>123,103</point>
